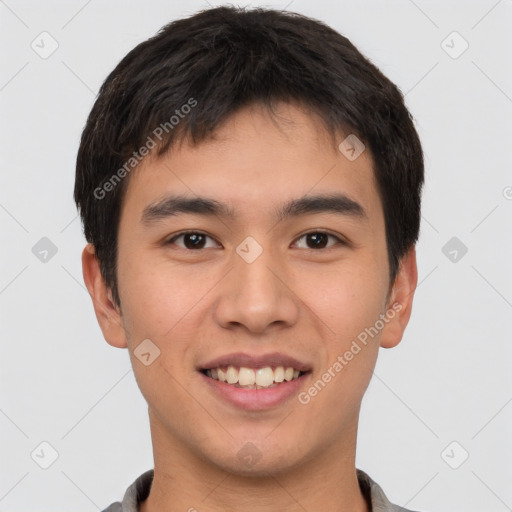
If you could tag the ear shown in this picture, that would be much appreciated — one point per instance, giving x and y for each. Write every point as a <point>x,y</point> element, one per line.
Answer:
<point>107,313</point>
<point>399,306</point>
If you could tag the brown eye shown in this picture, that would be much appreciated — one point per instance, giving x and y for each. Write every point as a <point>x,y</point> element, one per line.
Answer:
<point>318,240</point>
<point>192,240</point>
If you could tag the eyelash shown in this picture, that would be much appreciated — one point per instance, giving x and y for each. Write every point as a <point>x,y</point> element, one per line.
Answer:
<point>318,232</point>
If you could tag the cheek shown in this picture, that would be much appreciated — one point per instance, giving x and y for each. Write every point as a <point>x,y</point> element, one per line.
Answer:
<point>350,303</point>
<point>347,299</point>
<point>156,303</point>
<point>154,295</point>
<point>165,303</point>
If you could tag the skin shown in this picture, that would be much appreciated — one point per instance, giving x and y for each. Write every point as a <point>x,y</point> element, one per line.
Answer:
<point>306,302</point>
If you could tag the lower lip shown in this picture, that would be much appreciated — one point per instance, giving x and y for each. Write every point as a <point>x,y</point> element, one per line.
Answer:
<point>256,399</point>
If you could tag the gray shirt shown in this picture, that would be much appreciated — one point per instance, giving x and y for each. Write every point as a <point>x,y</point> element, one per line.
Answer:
<point>139,491</point>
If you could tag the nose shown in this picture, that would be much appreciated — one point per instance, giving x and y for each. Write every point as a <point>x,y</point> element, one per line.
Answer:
<point>256,296</point>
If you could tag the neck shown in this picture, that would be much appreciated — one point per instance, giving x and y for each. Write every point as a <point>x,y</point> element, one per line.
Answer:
<point>183,481</point>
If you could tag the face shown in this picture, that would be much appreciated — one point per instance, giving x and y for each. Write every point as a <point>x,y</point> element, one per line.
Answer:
<point>258,256</point>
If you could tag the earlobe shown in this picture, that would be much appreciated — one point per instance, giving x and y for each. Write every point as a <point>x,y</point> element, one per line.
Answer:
<point>107,313</point>
<point>399,307</point>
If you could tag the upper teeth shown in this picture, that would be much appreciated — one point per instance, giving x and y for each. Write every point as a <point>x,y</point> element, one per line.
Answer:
<point>262,377</point>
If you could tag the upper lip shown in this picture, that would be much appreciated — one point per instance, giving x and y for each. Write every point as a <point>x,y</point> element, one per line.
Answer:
<point>239,359</point>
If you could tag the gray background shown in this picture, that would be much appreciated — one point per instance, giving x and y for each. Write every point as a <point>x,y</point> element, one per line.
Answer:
<point>448,381</point>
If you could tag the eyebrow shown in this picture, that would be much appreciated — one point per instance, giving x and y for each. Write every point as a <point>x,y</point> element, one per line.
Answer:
<point>325,203</point>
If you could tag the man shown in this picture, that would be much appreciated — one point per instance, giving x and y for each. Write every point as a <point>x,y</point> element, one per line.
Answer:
<point>250,187</point>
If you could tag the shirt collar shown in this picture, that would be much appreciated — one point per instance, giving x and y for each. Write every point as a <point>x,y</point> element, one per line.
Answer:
<point>139,491</point>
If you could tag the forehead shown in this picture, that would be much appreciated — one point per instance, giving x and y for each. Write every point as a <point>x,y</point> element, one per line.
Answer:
<point>254,162</point>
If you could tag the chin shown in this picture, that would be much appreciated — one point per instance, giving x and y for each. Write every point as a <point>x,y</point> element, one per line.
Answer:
<point>263,468</point>
<point>257,459</point>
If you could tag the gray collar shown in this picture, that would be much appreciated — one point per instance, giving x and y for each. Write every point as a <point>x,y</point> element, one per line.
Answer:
<point>139,491</point>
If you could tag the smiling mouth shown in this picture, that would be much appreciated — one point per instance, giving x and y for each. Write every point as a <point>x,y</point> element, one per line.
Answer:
<point>254,378</point>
